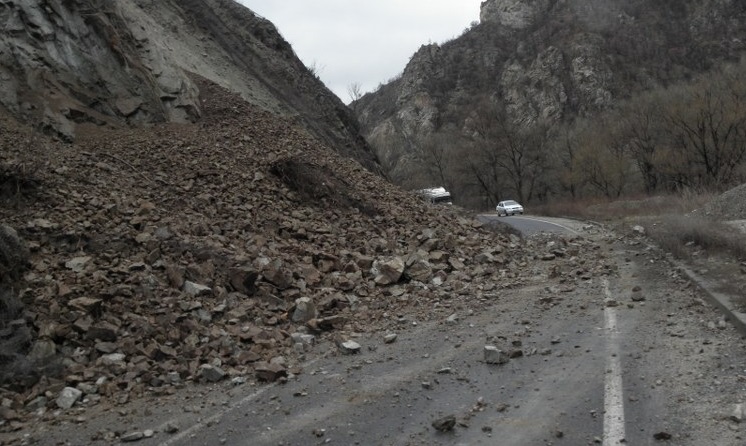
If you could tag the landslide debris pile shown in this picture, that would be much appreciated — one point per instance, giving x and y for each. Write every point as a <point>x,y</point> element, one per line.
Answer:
<point>213,251</point>
<point>730,205</point>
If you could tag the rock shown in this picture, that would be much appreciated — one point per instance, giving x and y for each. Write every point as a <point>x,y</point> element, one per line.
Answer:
<point>8,414</point>
<point>515,353</point>
<point>43,351</point>
<point>305,310</point>
<point>609,302</point>
<point>106,347</point>
<point>68,397</point>
<point>14,252</point>
<point>270,372</point>
<point>445,424</point>
<point>349,348</point>
<point>303,338</point>
<point>175,276</point>
<point>452,319</point>
<point>211,373</point>
<point>195,289</point>
<point>243,280</point>
<point>390,338</point>
<point>102,331</point>
<point>112,359</point>
<point>639,230</point>
<point>132,437</point>
<point>77,264</point>
<point>87,388</point>
<point>171,428</point>
<point>420,270</point>
<point>37,403</point>
<point>493,355</point>
<point>388,272</point>
<point>662,436</point>
<point>637,295</point>
<point>86,304</point>
<point>456,264</point>
<point>739,410</point>
<point>277,274</point>
<point>327,323</point>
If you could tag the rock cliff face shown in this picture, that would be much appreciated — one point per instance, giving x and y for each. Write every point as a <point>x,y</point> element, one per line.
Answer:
<point>513,13</point>
<point>129,62</point>
<point>545,61</point>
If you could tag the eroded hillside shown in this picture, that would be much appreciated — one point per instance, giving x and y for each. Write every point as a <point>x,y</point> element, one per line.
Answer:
<point>128,63</point>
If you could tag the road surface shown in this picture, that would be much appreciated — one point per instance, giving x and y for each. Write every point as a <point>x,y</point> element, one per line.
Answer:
<point>528,225</point>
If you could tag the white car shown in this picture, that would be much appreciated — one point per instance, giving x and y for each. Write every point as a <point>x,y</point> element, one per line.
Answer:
<point>508,207</point>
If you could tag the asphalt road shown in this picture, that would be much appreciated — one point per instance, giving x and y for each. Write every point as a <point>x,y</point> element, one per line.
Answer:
<point>528,225</point>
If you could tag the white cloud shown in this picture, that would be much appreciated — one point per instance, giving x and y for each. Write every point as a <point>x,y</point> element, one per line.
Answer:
<point>364,42</point>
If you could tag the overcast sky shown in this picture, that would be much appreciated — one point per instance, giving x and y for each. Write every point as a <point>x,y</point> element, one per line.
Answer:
<point>364,42</point>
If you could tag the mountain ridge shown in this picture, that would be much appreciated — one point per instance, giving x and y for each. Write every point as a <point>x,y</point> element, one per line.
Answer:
<point>541,63</point>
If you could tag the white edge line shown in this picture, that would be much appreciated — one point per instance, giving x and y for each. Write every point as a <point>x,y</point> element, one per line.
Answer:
<point>549,223</point>
<point>614,433</point>
<point>199,425</point>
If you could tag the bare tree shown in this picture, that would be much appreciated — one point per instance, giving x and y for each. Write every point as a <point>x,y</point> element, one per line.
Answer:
<point>516,151</point>
<point>709,127</point>
<point>564,152</point>
<point>435,154</point>
<point>641,127</point>
<point>602,159</point>
<point>355,91</point>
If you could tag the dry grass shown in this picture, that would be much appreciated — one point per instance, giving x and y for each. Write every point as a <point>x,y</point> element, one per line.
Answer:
<point>680,225</point>
<point>608,210</point>
<point>678,234</point>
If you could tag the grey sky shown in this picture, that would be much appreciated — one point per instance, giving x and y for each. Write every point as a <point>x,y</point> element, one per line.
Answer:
<point>363,42</point>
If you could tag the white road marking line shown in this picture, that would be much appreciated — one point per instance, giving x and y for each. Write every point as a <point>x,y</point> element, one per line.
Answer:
<point>203,423</point>
<point>552,223</point>
<point>614,433</point>
<point>572,231</point>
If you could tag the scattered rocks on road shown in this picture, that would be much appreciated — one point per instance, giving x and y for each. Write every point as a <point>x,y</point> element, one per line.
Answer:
<point>349,347</point>
<point>493,355</point>
<point>637,294</point>
<point>445,424</point>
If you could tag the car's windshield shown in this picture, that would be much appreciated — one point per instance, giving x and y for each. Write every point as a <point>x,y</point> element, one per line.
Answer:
<point>510,203</point>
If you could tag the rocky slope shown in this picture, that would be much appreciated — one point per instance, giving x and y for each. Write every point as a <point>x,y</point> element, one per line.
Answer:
<point>213,251</point>
<point>543,61</point>
<point>66,63</point>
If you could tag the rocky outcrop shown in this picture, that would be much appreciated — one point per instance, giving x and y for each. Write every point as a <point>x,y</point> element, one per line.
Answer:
<point>129,63</point>
<point>513,13</point>
<point>539,63</point>
<point>66,63</point>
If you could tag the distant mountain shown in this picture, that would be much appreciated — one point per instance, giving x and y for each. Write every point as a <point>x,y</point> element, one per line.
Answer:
<point>64,64</point>
<point>542,62</point>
